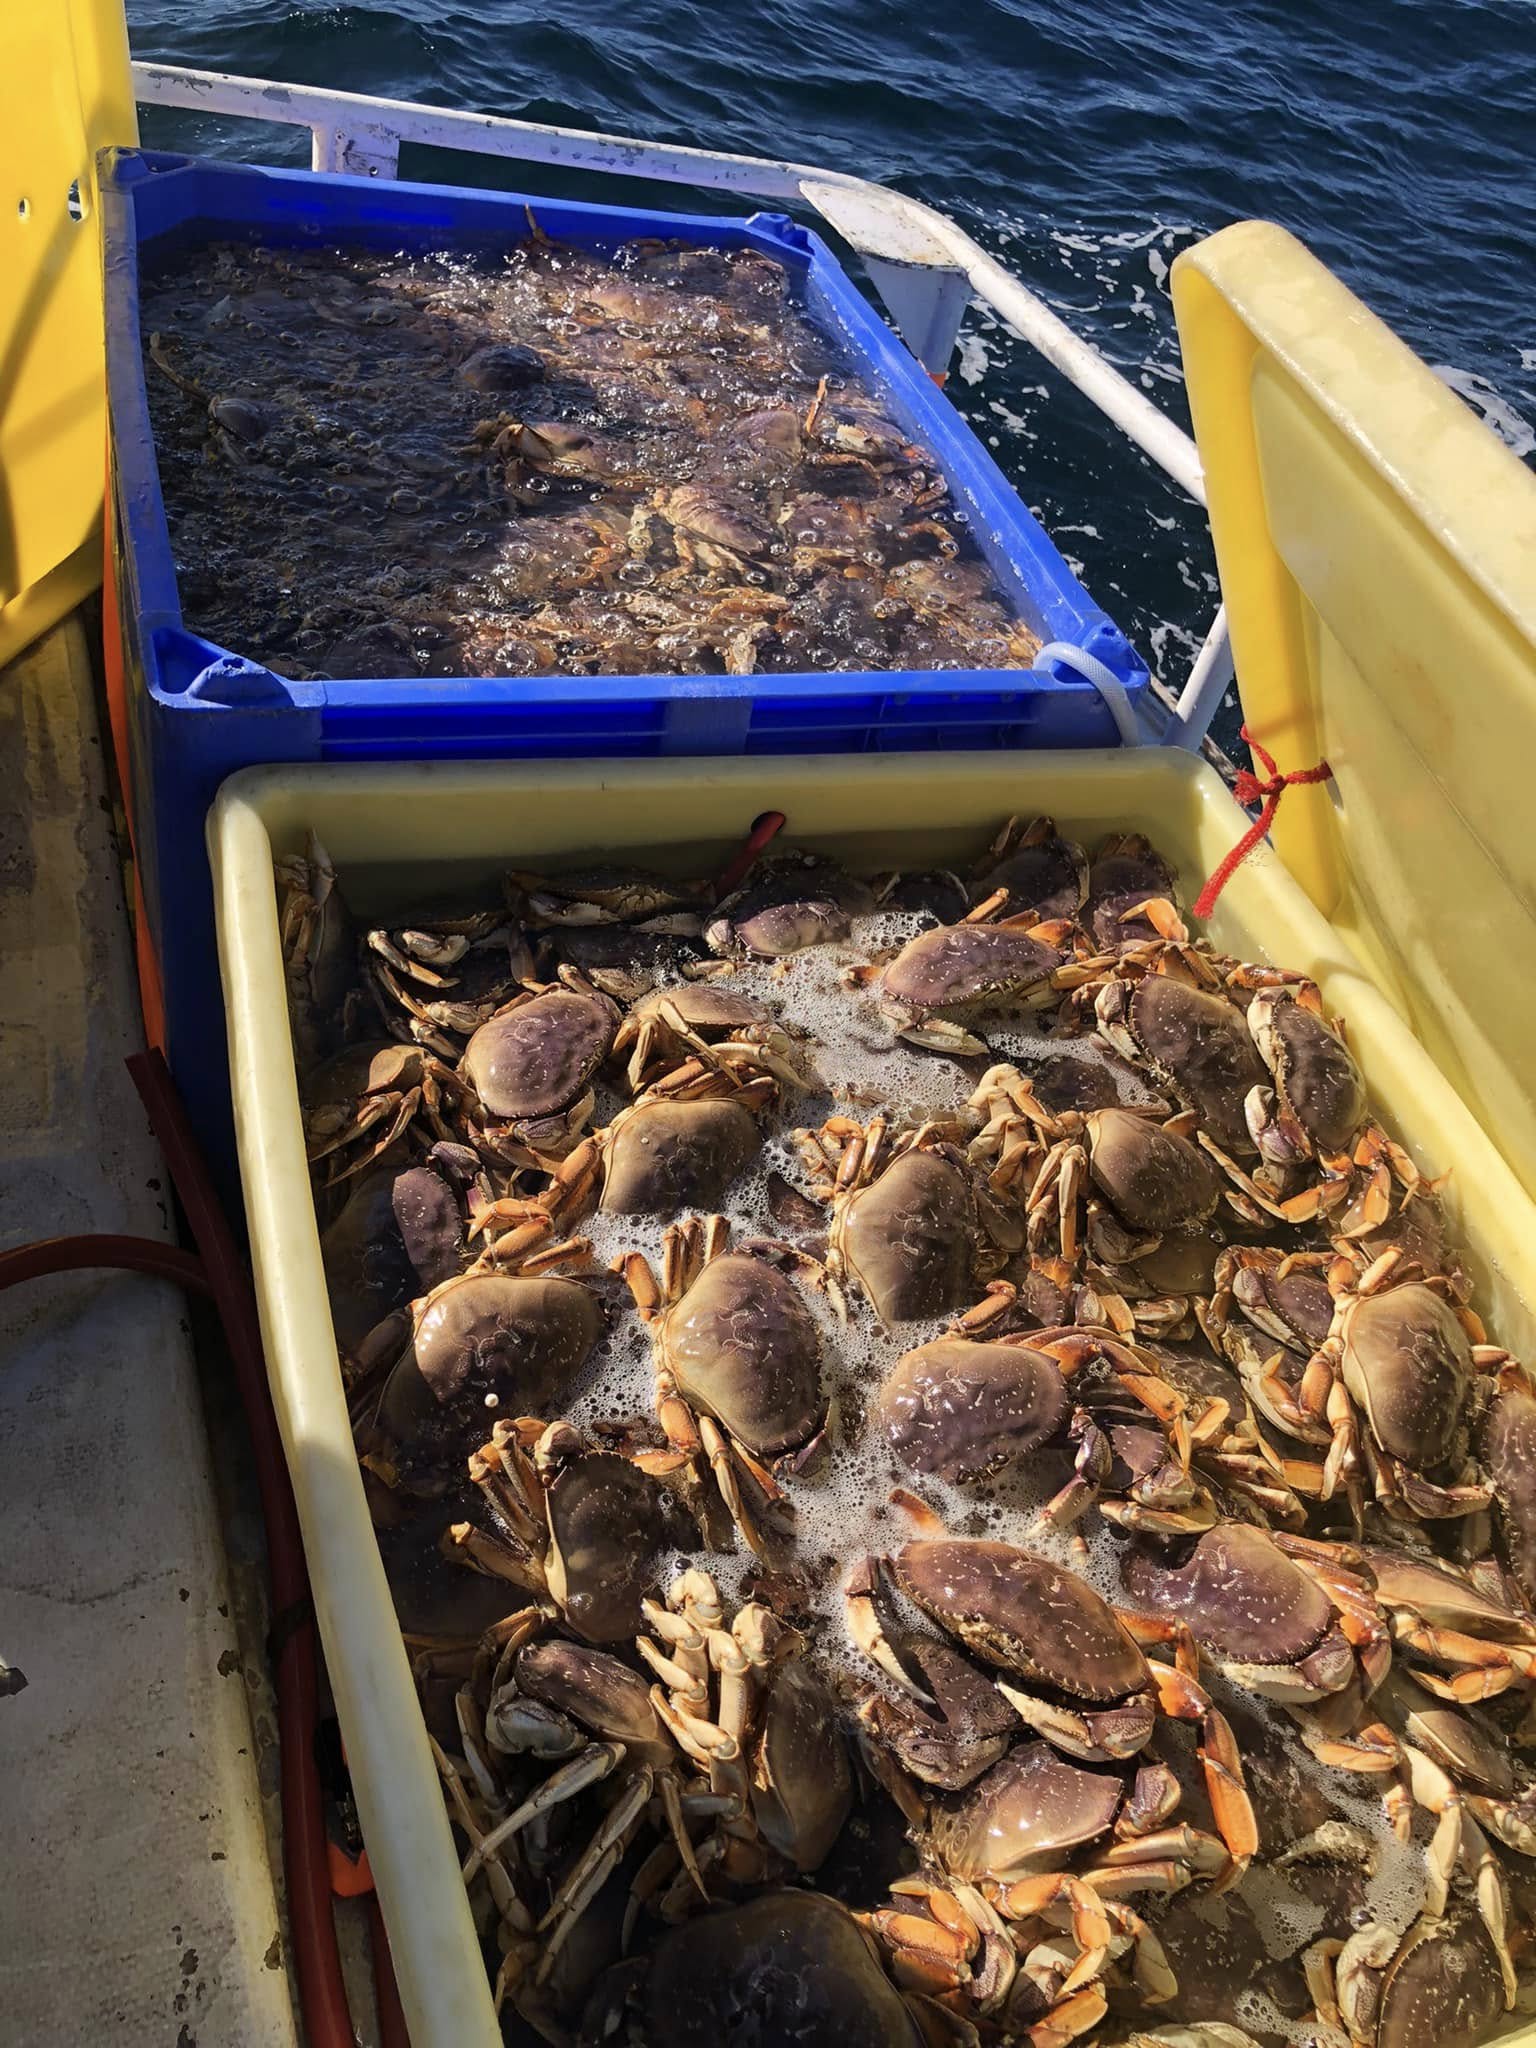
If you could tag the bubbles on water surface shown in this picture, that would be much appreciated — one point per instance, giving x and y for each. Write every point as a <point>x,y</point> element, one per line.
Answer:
<point>517,425</point>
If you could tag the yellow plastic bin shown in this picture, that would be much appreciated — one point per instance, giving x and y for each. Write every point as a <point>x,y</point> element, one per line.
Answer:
<point>394,830</point>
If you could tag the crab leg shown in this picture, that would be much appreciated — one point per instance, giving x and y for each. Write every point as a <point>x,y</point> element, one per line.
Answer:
<point>727,1478</point>
<point>1459,1840</point>
<point>590,1768</point>
<point>594,1867</point>
<point>1032,1897</point>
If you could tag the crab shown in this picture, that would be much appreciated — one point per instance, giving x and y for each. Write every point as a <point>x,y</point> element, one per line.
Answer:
<point>1280,1615</point>
<point>1154,1182</point>
<point>1267,1313</point>
<point>532,1067</point>
<point>504,1335</point>
<point>960,974</point>
<point>604,895</point>
<point>1075,1671</point>
<point>737,1364</point>
<point>1316,1112</point>
<point>1192,1041</point>
<point>1228,1441</point>
<point>621,960</point>
<point>788,902</point>
<point>666,1152</point>
<point>1038,869</point>
<point>435,984</point>
<point>741,1702</point>
<point>360,1104</point>
<point>577,1526</point>
<point>704,1022</point>
<point>318,940</point>
<point>962,1411</point>
<point>911,1221</point>
<point>1469,1639</point>
<point>794,1965</point>
<point>1439,1982</point>
<point>399,1233</point>
<point>1506,1442</point>
<point>996,1951</point>
<point>592,1717</point>
<point>1393,1381</point>
<point>1131,893</point>
<point>936,894</point>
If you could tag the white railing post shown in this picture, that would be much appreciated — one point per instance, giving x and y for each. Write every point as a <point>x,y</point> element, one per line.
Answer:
<point>1201,696</point>
<point>373,153</point>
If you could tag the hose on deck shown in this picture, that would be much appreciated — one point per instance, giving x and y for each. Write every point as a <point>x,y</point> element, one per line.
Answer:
<point>217,1270</point>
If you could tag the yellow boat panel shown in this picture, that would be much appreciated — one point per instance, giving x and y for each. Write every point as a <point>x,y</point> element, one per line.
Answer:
<point>65,92</point>
<point>1377,549</point>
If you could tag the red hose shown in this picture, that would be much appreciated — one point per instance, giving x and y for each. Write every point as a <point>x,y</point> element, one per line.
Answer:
<point>127,1254</point>
<point>322,1992</point>
<point>393,2032</point>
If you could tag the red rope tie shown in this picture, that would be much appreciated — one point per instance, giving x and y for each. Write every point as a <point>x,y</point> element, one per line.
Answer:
<point>1248,789</point>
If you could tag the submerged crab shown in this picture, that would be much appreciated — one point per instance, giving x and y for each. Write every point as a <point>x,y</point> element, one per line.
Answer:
<point>911,1221</point>
<point>738,1363</point>
<point>509,1337</point>
<point>1038,870</point>
<point>794,1966</point>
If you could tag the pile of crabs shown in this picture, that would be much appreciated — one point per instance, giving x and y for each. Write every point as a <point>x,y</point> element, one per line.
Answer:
<point>1164,1673</point>
<point>545,460</point>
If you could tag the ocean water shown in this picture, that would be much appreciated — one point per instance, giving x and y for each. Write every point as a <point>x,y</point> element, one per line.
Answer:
<point>1085,146</point>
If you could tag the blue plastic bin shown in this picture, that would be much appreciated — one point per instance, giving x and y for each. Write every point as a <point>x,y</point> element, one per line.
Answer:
<point>196,711</point>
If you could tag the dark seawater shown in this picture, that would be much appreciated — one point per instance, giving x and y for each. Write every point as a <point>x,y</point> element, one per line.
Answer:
<point>1086,146</point>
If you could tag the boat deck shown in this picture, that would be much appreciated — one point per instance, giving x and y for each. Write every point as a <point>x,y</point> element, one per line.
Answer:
<point>140,1901</point>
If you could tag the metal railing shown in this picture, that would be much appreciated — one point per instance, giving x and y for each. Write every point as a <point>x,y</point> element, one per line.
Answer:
<point>925,267</point>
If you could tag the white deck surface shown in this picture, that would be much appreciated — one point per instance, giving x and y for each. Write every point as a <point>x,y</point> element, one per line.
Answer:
<point>138,1902</point>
